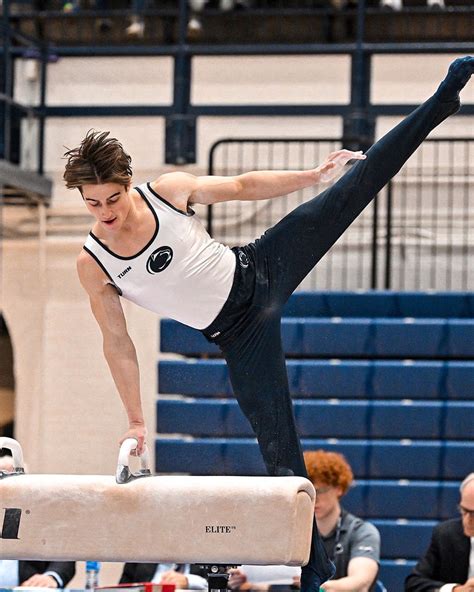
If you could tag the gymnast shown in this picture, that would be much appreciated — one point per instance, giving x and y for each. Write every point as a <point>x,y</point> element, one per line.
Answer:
<point>147,246</point>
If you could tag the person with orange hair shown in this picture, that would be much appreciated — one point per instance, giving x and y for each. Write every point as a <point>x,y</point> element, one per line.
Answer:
<point>351,543</point>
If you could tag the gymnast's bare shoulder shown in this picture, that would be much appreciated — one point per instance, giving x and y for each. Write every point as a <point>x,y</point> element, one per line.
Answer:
<point>93,279</point>
<point>175,187</point>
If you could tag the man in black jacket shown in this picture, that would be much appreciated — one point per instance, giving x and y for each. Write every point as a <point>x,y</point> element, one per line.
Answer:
<point>56,574</point>
<point>448,564</point>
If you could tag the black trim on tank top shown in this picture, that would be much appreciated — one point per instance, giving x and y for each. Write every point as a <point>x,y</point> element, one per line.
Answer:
<point>157,225</point>
<point>190,211</point>
<point>99,263</point>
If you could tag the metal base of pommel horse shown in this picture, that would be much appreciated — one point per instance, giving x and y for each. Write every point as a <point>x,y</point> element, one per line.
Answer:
<point>218,522</point>
<point>218,577</point>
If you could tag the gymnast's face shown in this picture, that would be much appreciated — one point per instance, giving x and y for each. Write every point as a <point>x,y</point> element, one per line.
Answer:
<point>466,507</point>
<point>327,500</point>
<point>109,203</point>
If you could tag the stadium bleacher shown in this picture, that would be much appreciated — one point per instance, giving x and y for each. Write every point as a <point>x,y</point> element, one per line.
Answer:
<point>385,378</point>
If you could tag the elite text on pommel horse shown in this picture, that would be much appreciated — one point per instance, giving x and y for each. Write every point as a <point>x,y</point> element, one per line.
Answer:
<point>215,521</point>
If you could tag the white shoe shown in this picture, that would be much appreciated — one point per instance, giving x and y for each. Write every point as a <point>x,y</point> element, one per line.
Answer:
<point>136,29</point>
<point>393,4</point>
<point>435,3</point>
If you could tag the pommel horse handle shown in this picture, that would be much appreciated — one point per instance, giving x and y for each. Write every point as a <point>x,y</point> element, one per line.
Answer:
<point>17,454</point>
<point>123,473</point>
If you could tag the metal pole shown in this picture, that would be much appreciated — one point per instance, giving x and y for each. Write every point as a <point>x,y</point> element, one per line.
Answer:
<point>358,125</point>
<point>388,239</point>
<point>180,126</point>
<point>374,258</point>
<point>182,65</point>
<point>6,80</point>
<point>210,171</point>
<point>42,107</point>
<point>359,83</point>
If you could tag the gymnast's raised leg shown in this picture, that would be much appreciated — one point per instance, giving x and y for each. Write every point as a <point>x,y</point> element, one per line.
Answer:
<point>281,259</point>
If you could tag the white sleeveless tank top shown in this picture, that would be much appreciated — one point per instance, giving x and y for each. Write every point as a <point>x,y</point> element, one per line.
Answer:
<point>182,273</point>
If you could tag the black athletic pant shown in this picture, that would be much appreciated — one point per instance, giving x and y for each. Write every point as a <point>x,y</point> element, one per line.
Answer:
<point>248,328</point>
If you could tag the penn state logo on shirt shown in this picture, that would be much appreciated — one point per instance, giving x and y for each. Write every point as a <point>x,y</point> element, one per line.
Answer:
<point>159,260</point>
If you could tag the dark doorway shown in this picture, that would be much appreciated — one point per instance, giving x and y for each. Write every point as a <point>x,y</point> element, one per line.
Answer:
<point>7,382</point>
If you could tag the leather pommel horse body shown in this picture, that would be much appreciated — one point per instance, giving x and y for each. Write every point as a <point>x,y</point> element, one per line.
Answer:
<point>172,519</point>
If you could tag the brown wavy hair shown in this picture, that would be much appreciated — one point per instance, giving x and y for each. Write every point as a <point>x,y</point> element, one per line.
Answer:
<point>99,159</point>
<point>328,468</point>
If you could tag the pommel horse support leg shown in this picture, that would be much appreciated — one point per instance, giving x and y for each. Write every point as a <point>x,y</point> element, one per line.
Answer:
<point>169,519</point>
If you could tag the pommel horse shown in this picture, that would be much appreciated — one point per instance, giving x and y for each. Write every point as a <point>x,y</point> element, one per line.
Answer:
<point>213,521</point>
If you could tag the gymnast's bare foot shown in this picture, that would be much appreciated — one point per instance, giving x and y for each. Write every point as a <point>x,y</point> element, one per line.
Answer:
<point>458,76</point>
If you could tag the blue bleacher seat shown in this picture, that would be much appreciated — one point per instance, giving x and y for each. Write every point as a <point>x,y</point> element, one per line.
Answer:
<point>461,338</point>
<point>404,538</point>
<point>393,573</point>
<point>381,304</point>
<point>375,459</point>
<point>340,379</point>
<point>347,337</point>
<point>460,380</point>
<point>408,499</point>
<point>459,420</point>
<point>323,419</point>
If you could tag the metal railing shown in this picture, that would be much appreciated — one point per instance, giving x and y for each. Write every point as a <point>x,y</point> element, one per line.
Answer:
<point>15,42</point>
<point>417,235</point>
<point>258,22</point>
<point>21,184</point>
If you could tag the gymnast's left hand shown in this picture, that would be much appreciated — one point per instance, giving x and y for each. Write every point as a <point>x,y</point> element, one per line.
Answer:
<point>139,432</point>
<point>40,581</point>
<point>335,163</point>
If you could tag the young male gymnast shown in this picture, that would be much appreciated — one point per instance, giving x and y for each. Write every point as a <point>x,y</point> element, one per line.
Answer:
<point>147,246</point>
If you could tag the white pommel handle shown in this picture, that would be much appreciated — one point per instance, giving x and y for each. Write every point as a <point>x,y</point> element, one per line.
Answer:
<point>123,473</point>
<point>17,454</point>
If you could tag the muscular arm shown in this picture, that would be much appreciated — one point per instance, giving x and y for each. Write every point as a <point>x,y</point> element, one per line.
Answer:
<point>118,347</point>
<point>182,189</point>
<point>361,573</point>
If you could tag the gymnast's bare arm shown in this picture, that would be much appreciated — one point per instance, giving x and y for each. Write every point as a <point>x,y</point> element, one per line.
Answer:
<point>118,347</point>
<point>182,189</point>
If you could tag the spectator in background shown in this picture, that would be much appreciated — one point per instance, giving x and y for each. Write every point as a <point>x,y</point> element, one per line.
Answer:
<point>103,25</point>
<point>353,545</point>
<point>398,4</point>
<point>34,574</point>
<point>136,28</point>
<point>448,564</point>
<point>183,576</point>
<point>196,6</point>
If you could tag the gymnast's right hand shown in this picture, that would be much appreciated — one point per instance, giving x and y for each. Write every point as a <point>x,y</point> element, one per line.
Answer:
<point>139,432</point>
